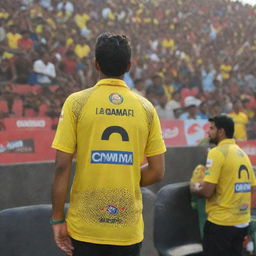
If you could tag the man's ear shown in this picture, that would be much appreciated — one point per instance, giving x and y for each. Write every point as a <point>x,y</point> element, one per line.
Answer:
<point>96,64</point>
<point>128,67</point>
<point>222,132</point>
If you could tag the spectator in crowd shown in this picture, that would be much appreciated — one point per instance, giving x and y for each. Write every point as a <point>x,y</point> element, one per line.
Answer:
<point>25,43</point>
<point>9,96</point>
<point>157,88</point>
<point>163,109</point>
<point>66,6</point>
<point>31,102</point>
<point>13,38</point>
<point>7,70</point>
<point>205,50</point>
<point>69,65</point>
<point>139,86</point>
<point>191,109</point>
<point>2,31</point>
<point>241,120</point>
<point>44,70</point>
<point>82,49</point>
<point>203,110</point>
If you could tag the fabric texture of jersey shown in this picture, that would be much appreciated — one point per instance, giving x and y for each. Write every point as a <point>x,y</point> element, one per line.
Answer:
<point>230,168</point>
<point>110,129</point>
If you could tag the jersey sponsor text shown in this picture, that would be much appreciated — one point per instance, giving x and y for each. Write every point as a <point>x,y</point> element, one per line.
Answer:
<point>242,187</point>
<point>114,111</point>
<point>111,157</point>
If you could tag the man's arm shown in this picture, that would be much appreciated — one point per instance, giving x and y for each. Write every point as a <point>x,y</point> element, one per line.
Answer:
<point>59,193</point>
<point>203,189</point>
<point>153,171</point>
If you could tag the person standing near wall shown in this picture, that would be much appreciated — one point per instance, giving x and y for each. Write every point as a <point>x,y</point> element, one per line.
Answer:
<point>110,129</point>
<point>228,182</point>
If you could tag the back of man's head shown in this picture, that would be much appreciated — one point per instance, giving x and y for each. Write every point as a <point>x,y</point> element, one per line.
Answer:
<point>226,122</point>
<point>113,54</point>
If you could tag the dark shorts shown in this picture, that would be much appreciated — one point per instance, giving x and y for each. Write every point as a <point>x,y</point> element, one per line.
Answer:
<point>223,240</point>
<point>89,249</point>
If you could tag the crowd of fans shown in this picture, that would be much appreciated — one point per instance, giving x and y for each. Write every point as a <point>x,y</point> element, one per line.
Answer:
<point>192,59</point>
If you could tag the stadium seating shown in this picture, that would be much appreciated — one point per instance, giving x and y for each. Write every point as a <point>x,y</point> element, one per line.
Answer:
<point>17,107</point>
<point>176,229</point>
<point>43,109</point>
<point>3,106</point>
<point>22,88</point>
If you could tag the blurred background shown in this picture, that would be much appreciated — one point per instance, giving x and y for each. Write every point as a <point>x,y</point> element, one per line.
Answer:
<point>192,59</point>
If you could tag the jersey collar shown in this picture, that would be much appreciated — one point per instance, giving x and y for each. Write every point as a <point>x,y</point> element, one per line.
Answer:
<point>112,82</point>
<point>227,141</point>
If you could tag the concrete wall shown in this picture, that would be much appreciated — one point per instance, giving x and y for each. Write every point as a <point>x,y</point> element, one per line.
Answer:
<point>28,184</point>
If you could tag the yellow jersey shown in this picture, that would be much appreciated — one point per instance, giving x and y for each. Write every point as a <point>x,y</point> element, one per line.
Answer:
<point>240,120</point>
<point>13,40</point>
<point>229,167</point>
<point>111,130</point>
<point>82,51</point>
<point>225,71</point>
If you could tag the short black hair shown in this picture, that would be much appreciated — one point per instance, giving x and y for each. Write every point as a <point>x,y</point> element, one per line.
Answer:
<point>226,122</point>
<point>113,54</point>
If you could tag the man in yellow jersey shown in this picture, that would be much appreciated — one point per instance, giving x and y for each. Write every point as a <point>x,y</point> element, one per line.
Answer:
<point>110,129</point>
<point>241,120</point>
<point>229,179</point>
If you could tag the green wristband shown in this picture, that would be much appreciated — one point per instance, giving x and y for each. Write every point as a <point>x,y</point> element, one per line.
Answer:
<point>54,222</point>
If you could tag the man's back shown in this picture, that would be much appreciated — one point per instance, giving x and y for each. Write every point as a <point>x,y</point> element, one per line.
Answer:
<point>230,168</point>
<point>111,128</point>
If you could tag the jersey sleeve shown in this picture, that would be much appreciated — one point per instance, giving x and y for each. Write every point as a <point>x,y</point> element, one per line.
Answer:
<point>155,144</point>
<point>215,160</point>
<point>65,137</point>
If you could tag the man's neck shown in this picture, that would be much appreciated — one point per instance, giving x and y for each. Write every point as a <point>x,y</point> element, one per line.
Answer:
<point>221,139</point>
<point>103,76</point>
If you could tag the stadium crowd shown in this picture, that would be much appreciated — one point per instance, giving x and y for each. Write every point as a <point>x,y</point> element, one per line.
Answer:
<point>191,59</point>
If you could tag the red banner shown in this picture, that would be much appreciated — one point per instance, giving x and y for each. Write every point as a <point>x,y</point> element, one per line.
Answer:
<point>22,146</point>
<point>173,132</point>
<point>17,145</point>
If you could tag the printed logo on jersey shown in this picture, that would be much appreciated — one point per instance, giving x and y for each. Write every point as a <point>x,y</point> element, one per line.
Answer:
<point>244,207</point>
<point>208,163</point>
<point>116,98</point>
<point>242,187</point>
<point>112,210</point>
<point>207,166</point>
<point>111,157</point>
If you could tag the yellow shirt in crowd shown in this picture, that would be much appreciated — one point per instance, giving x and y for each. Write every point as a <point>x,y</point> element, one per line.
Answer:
<point>168,43</point>
<point>111,129</point>
<point>13,40</point>
<point>241,120</point>
<point>81,20</point>
<point>230,168</point>
<point>225,71</point>
<point>82,51</point>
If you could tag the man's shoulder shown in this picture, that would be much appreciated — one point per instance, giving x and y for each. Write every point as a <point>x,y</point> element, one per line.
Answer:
<point>218,152</point>
<point>142,100</point>
<point>81,94</point>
